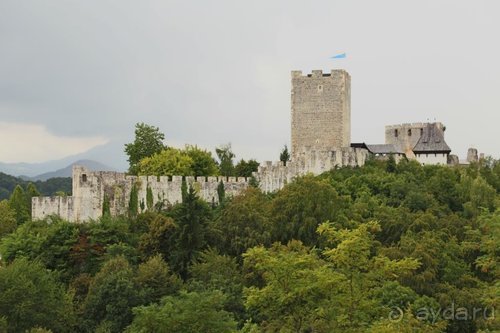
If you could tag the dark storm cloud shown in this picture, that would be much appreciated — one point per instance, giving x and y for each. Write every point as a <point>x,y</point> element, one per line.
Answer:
<point>211,72</point>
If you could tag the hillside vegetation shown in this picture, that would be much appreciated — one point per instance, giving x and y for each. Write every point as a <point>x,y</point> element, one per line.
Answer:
<point>48,187</point>
<point>381,248</point>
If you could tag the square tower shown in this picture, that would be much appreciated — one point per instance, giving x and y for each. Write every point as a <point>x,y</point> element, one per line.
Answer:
<point>321,110</point>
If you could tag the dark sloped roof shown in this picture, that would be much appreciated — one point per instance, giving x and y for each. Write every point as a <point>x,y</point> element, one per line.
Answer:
<point>383,149</point>
<point>432,140</point>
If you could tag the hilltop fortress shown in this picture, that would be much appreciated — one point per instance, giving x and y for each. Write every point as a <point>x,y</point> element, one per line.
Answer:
<point>320,141</point>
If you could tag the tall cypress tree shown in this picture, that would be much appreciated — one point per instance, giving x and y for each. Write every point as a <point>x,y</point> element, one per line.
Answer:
<point>19,203</point>
<point>106,209</point>
<point>285,155</point>
<point>133,204</point>
<point>191,217</point>
<point>149,198</point>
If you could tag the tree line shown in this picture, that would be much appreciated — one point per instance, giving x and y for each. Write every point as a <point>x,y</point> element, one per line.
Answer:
<point>149,155</point>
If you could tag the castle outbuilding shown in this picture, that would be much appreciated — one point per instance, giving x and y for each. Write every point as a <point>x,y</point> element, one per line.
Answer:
<point>421,141</point>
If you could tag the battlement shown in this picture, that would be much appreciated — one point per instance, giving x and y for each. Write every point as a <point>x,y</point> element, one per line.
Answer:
<point>92,188</point>
<point>86,176</point>
<point>54,205</point>
<point>318,73</point>
<point>412,125</point>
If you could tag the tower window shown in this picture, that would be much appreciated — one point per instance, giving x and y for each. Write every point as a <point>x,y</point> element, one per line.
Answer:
<point>409,132</point>
<point>320,88</point>
<point>396,133</point>
<point>421,131</point>
<point>84,177</point>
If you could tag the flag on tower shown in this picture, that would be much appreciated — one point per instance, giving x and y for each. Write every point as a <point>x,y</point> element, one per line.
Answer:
<point>339,56</point>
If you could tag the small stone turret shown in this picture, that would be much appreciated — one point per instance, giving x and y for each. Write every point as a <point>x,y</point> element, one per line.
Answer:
<point>472,155</point>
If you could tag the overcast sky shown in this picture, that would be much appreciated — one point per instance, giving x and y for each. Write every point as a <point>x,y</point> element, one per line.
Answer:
<point>77,74</point>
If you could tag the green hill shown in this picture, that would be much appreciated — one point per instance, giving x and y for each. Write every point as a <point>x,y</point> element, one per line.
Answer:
<point>47,187</point>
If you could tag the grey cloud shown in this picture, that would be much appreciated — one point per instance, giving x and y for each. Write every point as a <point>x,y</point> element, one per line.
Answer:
<point>210,72</point>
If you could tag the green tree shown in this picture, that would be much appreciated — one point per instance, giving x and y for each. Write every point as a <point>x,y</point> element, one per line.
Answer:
<point>245,169</point>
<point>212,271</point>
<point>133,203</point>
<point>191,217</point>
<point>159,237</point>
<point>225,155</point>
<point>285,155</point>
<point>48,241</point>
<point>391,164</point>
<point>149,197</point>
<point>244,223</point>
<point>489,245</point>
<point>189,312</point>
<point>203,163</point>
<point>19,204</point>
<point>351,254</point>
<point>221,192</point>
<point>294,289</point>
<point>168,162</point>
<point>148,141</point>
<point>8,221</point>
<point>300,207</point>
<point>112,295</point>
<point>407,323</point>
<point>106,208</point>
<point>155,280</point>
<point>31,191</point>
<point>31,296</point>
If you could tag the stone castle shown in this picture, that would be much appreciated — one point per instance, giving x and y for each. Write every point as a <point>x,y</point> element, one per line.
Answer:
<point>320,141</point>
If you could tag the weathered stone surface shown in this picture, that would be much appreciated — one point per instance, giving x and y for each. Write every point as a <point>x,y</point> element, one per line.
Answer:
<point>321,110</point>
<point>472,155</point>
<point>453,160</point>
<point>274,176</point>
<point>405,136</point>
<point>90,188</point>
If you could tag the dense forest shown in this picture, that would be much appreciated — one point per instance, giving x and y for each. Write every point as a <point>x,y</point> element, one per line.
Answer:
<point>49,187</point>
<point>383,248</point>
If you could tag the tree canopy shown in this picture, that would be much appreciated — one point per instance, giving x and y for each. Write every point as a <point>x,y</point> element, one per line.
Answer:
<point>147,142</point>
<point>381,248</point>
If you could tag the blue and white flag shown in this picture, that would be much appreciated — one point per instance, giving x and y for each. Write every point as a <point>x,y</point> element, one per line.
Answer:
<point>339,56</point>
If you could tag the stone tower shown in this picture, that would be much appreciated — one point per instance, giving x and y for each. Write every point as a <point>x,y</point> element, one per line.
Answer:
<point>321,111</point>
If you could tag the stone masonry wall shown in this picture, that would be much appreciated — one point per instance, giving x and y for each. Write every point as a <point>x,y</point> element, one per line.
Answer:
<point>45,206</point>
<point>321,110</point>
<point>405,136</point>
<point>274,176</point>
<point>90,189</point>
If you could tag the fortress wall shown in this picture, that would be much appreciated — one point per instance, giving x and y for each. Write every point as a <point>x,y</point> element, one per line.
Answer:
<point>91,188</point>
<point>42,207</point>
<point>274,176</point>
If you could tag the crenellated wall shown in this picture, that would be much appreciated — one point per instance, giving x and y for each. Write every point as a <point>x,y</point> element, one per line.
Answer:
<point>91,188</point>
<point>45,206</point>
<point>274,176</point>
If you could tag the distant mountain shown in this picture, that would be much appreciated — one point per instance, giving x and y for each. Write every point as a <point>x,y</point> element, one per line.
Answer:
<point>110,155</point>
<point>67,171</point>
